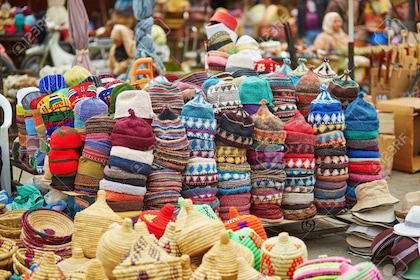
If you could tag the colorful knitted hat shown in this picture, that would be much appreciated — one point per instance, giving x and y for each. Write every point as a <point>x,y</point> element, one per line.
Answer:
<point>285,67</point>
<point>248,46</point>
<point>133,132</point>
<point>235,128</point>
<point>221,41</point>
<point>75,93</point>
<point>326,113</point>
<point>266,65</point>
<point>223,96</point>
<point>89,173</point>
<point>267,127</point>
<point>163,94</point>
<point>216,61</point>
<point>361,115</point>
<point>75,75</point>
<point>138,100</point>
<point>307,89</point>
<point>116,90</point>
<point>56,110</point>
<point>299,71</point>
<point>364,270</point>
<point>299,131</point>
<point>325,72</point>
<point>87,108</point>
<point>200,171</point>
<point>95,79</point>
<point>156,221</point>
<point>253,89</point>
<point>344,88</point>
<point>51,83</point>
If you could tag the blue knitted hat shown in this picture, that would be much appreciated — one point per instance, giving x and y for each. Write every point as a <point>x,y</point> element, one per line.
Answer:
<point>254,89</point>
<point>198,108</point>
<point>208,83</point>
<point>87,108</point>
<point>51,83</point>
<point>326,113</point>
<point>361,115</point>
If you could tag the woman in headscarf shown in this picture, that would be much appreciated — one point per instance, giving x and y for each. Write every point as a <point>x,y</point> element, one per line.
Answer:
<point>123,49</point>
<point>332,37</point>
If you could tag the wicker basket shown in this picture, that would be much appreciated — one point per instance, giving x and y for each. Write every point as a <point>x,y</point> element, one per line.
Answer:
<point>281,255</point>
<point>12,218</point>
<point>5,274</point>
<point>45,269</point>
<point>91,223</point>
<point>47,226</point>
<point>196,233</point>
<point>247,272</point>
<point>206,270</point>
<point>92,270</point>
<point>62,250</point>
<point>168,241</point>
<point>77,260</point>
<point>237,222</point>
<point>7,248</point>
<point>10,232</point>
<point>115,244</point>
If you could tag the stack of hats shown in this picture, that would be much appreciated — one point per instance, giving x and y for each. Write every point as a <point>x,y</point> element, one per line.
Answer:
<point>170,156</point>
<point>37,160</point>
<point>360,238</point>
<point>224,96</point>
<point>266,157</point>
<point>266,65</point>
<point>95,154</point>
<point>362,130</point>
<point>132,142</point>
<point>77,92</point>
<point>328,122</point>
<point>163,94</point>
<point>299,71</point>
<point>284,96</point>
<point>65,147</point>
<point>344,89</point>
<point>219,47</point>
<point>298,196</point>
<point>374,207</point>
<point>239,64</point>
<point>307,89</point>
<point>325,72</point>
<point>199,177</point>
<point>86,108</point>
<point>233,139</point>
<point>248,46</point>
<point>252,90</point>
<point>113,90</point>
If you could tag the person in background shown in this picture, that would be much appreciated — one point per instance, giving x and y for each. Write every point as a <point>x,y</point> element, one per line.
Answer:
<point>123,49</point>
<point>309,19</point>
<point>332,38</point>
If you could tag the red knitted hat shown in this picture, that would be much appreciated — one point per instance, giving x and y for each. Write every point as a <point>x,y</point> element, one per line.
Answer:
<point>266,65</point>
<point>299,130</point>
<point>65,137</point>
<point>156,221</point>
<point>133,132</point>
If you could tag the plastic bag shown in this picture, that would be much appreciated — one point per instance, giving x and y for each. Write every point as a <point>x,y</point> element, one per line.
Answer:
<point>54,196</point>
<point>29,197</point>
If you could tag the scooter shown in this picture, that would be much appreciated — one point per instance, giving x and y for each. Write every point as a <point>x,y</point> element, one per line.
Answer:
<point>52,52</point>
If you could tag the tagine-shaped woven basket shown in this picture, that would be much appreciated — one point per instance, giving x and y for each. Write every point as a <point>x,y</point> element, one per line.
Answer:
<point>247,272</point>
<point>168,241</point>
<point>186,267</point>
<point>280,255</point>
<point>91,223</point>
<point>196,233</point>
<point>46,269</point>
<point>202,208</point>
<point>226,252</point>
<point>115,244</point>
<point>237,222</point>
<point>77,260</point>
<point>92,270</point>
<point>24,258</point>
<point>249,238</point>
<point>206,269</point>
<point>146,260</point>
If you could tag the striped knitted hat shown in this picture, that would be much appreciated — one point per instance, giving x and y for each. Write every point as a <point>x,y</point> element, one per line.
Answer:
<point>344,88</point>
<point>51,83</point>
<point>75,75</point>
<point>325,72</point>
<point>75,93</point>
<point>307,89</point>
<point>56,110</point>
<point>235,128</point>
<point>268,127</point>
<point>223,96</point>
<point>162,94</point>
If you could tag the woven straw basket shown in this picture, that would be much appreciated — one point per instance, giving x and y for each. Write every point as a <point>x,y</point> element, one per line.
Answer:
<point>62,250</point>
<point>23,258</point>
<point>77,260</point>
<point>226,252</point>
<point>247,272</point>
<point>5,274</point>
<point>12,218</point>
<point>47,269</point>
<point>7,248</point>
<point>168,241</point>
<point>115,244</point>
<point>282,254</point>
<point>197,233</point>
<point>92,270</point>
<point>237,222</point>
<point>10,232</point>
<point>206,270</point>
<point>91,223</point>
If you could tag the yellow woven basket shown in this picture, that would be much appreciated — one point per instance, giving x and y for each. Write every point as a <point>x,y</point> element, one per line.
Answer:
<point>12,218</point>
<point>91,223</point>
<point>93,270</point>
<point>168,241</point>
<point>7,248</point>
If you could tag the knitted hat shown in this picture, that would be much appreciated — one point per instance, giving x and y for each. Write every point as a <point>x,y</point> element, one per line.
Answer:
<point>208,83</point>
<point>89,173</point>
<point>235,129</point>
<point>223,96</point>
<point>75,75</point>
<point>95,79</point>
<point>56,110</point>
<point>239,61</point>
<point>23,92</point>
<point>164,93</point>
<point>221,41</point>
<point>325,72</point>
<point>307,89</point>
<point>200,171</point>
<point>52,83</point>
<point>344,88</point>
<point>133,132</point>
<point>87,108</point>
<point>267,127</point>
<point>299,71</point>
<point>216,61</point>
<point>248,46</point>
<point>253,89</point>
<point>27,98</point>
<point>75,93</point>
<point>138,100</point>
<point>117,89</point>
<point>361,115</point>
<point>266,65</point>
<point>299,131</point>
<point>326,113</point>
<point>156,221</point>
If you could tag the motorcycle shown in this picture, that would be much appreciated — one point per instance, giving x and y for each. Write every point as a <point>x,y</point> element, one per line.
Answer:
<point>55,53</point>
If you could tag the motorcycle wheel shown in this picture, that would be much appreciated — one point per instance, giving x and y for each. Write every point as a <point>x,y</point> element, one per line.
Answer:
<point>6,66</point>
<point>33,64</point>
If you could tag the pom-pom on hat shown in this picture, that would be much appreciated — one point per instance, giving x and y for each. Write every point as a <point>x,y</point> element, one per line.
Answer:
<point>326,113</point>
<point>235,128</point>
<point>253,89</point>
<point>138,100</point>
<point>361,115</point>
<point>344,88</point>
<point>75,75</point>
<point>133,132</point>
<point>52,83</point>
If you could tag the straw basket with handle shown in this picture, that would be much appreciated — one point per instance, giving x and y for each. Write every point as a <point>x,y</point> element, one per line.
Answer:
<point>281,255</point>
<point>114,244</point>
<point>91,223</point>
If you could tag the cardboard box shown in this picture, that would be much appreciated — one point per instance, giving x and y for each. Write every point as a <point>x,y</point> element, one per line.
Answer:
<point>387,150</point>
<point>399,82</point>
<point>386,122</point>
<point>407,132</point>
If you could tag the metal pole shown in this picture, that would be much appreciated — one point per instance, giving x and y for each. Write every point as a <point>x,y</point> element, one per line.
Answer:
<point>351,37</point>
